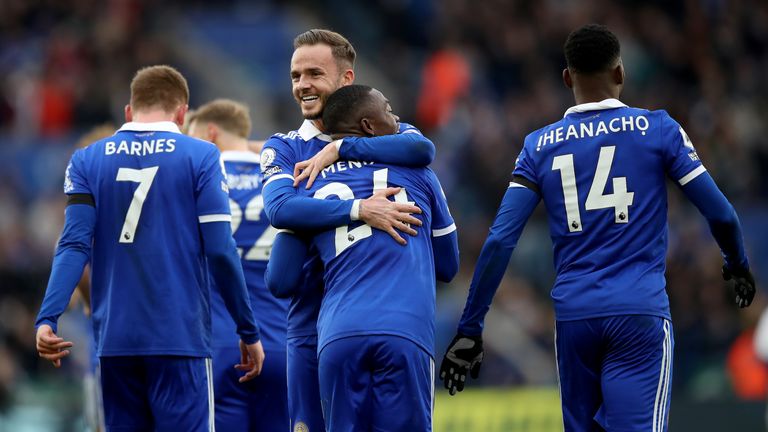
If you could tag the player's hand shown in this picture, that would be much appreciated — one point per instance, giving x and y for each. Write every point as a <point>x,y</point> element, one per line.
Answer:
<point>465,354</point>
<point>251,360</point>
<point>743,284</point>
<point>389,216</point>
<point>310,168</point>
<point>50,346</point>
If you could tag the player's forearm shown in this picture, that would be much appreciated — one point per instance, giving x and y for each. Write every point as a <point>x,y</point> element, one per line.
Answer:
<point>515,209</point>
<point>406,149</point>
<point>721,217</point>
<point>284,268</point>
<point>288,210</point>
<point>227,273</point>
<point>445,248</point>
<point>72,254</point>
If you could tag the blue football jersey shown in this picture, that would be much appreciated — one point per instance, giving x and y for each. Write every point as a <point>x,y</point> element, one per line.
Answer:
<point>374,285</point>
<point>152,187</point>
<point>254,237</point>
<point>278,157</point>
<point>601,172</point>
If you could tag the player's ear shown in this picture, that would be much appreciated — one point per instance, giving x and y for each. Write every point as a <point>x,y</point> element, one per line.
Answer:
<point>348,77</point>
<point>180,114</point>
<point>128,113</point>
<point>567,79</point>
<point>367,127</point>
<point>212,132</point>
<point>618,73</point>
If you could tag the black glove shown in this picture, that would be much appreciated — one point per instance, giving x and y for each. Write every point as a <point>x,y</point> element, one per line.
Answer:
<point>465,353</point>
<point>744,285</point>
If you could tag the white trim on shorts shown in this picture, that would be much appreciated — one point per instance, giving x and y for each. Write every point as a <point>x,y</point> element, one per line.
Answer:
<point>662,391</point>
<point>209,378</point>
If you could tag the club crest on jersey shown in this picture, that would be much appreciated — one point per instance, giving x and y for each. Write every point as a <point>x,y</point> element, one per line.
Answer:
<point>68,185</point>
<point>300,427</point>
<point>689,144</point>
<point>267,157</point>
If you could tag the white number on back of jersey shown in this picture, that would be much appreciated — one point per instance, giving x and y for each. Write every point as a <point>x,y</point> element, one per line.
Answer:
<point>263,246</point>
<point>346,237</point>
<point>620,199</point>
<point>144,178</point>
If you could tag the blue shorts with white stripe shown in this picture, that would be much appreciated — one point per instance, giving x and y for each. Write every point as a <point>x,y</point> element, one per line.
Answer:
<point>615,373</point>
<point>159,393</point>
<point>376,383</point>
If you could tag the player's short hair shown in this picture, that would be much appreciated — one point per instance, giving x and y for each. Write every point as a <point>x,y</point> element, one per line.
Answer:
<point>591,48</point>
<point>345,104</point>
<point>234,117</point>
<point>342,50</point>
<point>159,87</point>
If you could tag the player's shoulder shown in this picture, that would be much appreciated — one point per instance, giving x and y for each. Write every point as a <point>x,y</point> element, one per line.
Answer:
<point>195,147</point>
<point>404,128</point>
<point>281,139</point>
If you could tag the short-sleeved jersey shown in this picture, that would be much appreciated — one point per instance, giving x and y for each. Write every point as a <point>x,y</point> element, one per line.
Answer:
<point>374,285</point>
<point>601,172</point>
<point>278,157</point>
<point>152,187</point>
<point>254,237</point>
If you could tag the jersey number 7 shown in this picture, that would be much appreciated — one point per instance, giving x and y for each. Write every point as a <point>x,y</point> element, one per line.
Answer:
<point>144,178</point>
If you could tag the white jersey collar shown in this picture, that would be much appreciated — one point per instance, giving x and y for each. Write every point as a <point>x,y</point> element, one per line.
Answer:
<point>240,156</point>
<point>308,130</point>
<point>594,106</point>
<point>162,126</point>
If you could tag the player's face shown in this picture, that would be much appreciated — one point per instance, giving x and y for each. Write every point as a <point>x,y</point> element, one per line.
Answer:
<point>382,120</point>
<point>315,74</point>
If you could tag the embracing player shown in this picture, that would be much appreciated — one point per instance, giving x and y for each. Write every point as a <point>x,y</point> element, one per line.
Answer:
<point>376,323</point>
<point>322,62</point>
<point>601,172</point>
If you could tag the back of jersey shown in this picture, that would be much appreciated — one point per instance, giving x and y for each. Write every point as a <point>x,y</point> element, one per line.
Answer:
<point>152,186</point>
<point>601,172</point>
<point>373,284</point>
<point>254,237</point>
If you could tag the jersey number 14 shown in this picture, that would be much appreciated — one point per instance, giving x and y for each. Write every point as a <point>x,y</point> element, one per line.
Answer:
<point>620,199</point>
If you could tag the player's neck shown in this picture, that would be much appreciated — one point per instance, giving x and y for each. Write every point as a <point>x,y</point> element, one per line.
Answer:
<point>319,124</point>
<point>152,116</point>
<point>237,144</point>
<point>587,95</point>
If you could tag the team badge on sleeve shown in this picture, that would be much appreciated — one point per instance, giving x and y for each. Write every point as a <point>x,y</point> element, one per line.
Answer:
<point>689,144</point>
<point>686,140</point>
<point>68,186</point>
<point>300,427</point>
<point>267,157</point>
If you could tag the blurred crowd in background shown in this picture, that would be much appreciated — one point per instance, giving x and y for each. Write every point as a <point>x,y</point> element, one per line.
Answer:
<point>475,76</point>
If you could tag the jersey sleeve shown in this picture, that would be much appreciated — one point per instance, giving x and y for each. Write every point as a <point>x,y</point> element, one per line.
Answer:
<point>442,221</point>
<point>445,242</point>
<point>75,180</point>
<point>515,209</point>
<point>285,208</point>
<point>681,161</point>
<point>525,172</point>
<point>409,148</point>
<point>211,189</point>
<point>277,160</point>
